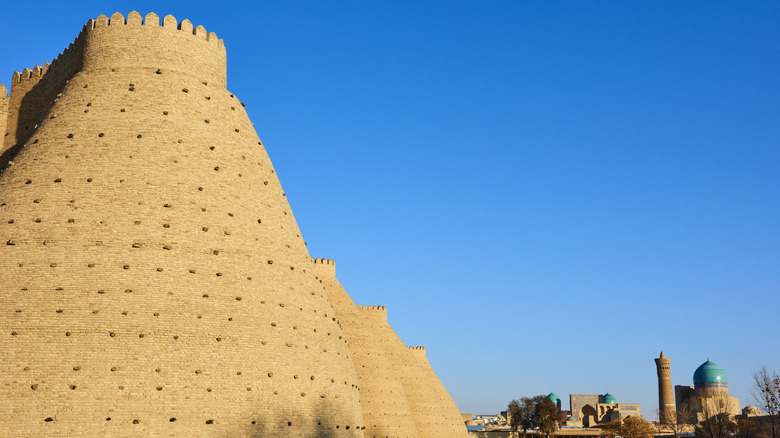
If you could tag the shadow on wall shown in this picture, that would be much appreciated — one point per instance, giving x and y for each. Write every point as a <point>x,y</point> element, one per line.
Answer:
<point>321,424</point>
<point>37,102</point>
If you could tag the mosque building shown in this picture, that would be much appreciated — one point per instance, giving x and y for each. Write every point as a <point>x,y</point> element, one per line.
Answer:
<point>708,396</point>
<point>588,410</point>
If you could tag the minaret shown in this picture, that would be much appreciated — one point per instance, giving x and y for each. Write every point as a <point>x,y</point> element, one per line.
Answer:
<point>666,406</point>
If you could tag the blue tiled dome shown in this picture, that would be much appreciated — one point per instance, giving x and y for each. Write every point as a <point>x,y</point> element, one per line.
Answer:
<point>609,398</point>
<point>555,399</point>
<point>708,372</point>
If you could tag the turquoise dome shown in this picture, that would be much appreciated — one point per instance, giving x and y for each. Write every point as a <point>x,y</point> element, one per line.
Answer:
<point>609,398</point>
<point>571,418</point>
<point>555,399</point>
<point>708,372</point>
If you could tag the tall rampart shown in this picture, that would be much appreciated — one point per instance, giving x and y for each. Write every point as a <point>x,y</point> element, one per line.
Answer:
<point>3,115</point>
<point>435,413</point>
<point>400,393</point>
<point>386,411</point>
<point>154,280</point>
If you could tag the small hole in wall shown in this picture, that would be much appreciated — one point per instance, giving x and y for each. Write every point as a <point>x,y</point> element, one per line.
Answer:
<point>34,387</point>
<point>185,90</point>
<point>101,134</point>
<point>72,387</point>
<point>70,135</point>
<point>209,421</point>
<point>138,136</point>
<point>48,419</point>
<point>136,421</point>
<point>165,113</point>
<point>172,420</point>
<point>122,110</point>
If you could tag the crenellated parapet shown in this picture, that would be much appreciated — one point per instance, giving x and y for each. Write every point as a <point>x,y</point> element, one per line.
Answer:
<point>371,307</point>
<point>417,350</point>
<point>134,42</point>
<point>376,314</point>
<point>115,45</point>
<point>138,42</point>
<point>326,268</point>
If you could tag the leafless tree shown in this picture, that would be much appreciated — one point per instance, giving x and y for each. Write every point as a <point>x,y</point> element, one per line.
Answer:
<point>767,396</point>
<point>678,422</point>
<point>715,419</point>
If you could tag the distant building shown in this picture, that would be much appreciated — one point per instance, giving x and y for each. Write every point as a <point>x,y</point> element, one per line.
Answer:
<point>708,396</point>
<point>588,410</point>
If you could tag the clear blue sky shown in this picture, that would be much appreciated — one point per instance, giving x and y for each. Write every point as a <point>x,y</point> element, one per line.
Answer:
<point>545,194</point>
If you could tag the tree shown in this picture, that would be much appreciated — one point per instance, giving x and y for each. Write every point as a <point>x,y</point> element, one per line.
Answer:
<point>534,412</point>
<point>715,419</point>
<point>630,427</point>
<point>521,414</point>
<point>547,416</point>
<point>767,397</point>
<point>678,422</point>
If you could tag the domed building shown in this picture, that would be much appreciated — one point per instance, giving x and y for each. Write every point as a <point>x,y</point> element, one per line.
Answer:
<point>710,379</point>
<point>555,399</point>
<point>709,394</point>
<point>588,410</point>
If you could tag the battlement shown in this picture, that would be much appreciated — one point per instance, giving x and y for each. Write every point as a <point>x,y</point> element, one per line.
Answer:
<point>153,20</point>
<point>326,268</point>
<point>418,351</point>
<point>138,42</point>
<point>369,307</point>
<point>135,46</point>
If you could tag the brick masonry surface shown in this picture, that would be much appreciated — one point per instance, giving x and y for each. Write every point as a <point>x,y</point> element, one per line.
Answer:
<point>153,278</point>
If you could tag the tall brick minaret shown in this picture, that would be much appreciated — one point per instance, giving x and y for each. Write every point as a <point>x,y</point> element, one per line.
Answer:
<point>666,406</point>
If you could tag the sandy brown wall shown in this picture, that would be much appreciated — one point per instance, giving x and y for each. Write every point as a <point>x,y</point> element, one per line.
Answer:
<point>386,412</point>
<point>154,280</point>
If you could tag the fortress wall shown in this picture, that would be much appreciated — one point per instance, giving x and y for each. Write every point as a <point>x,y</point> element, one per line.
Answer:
<point>386,412</point>
<point>113,44</point>
<point>154,280</point>
<point>3,114</point>
<point>434,410</point>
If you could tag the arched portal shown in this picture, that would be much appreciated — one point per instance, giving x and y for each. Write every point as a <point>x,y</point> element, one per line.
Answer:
<point>588,415</point>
